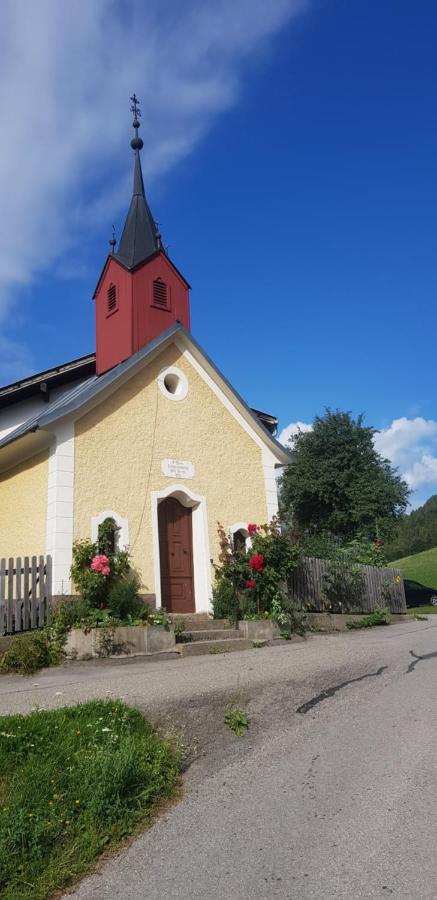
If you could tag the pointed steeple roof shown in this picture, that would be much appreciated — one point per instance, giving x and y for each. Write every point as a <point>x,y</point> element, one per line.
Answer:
<point>140,238</point>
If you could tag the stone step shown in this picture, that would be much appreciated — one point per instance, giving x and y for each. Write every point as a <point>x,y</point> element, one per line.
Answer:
<point>211,634</point>
<point>199,648</point>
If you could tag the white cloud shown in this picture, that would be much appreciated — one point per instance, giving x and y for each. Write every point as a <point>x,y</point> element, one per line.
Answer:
<point>290,430</point>
<point>422,472</point>
<point>402,435</point>
<point>66,73</point>
<point>410,444</point>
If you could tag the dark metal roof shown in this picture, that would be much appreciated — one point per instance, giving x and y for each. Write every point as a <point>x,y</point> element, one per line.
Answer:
<point>85,391</point>
<point>84,366</point>
<point>270,422</point>
<point>140,238</point>
<point>43,382</point>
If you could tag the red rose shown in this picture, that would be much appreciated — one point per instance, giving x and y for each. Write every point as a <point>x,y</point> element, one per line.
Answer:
<point>250,584</point>
<point>257,562</point>
<point>252,529</point>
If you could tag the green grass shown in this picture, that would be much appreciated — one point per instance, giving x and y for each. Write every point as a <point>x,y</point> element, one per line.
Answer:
<point>420,567</point>
<point>422,611</point>
<point>377,617</point>
<point>73,783</point>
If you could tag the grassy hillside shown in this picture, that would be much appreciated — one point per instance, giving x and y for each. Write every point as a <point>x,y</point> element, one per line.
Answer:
<point>420,567</point>
<point>415,532</point>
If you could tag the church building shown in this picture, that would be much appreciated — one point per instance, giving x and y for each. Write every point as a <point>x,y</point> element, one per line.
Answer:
<point>146,430</point>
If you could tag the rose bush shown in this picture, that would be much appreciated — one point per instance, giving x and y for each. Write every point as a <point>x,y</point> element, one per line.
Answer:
<point>251,578</point>
<point>99,569</point>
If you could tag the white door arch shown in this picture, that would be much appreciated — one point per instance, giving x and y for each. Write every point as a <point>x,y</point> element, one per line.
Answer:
<point>201,554</point>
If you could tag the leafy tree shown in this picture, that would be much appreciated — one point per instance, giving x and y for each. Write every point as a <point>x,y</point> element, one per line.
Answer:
<point>339,484</point>
<point>415,532</point>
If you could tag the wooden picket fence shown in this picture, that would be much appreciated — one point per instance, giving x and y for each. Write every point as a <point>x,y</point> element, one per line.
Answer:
<point>381,586</point>
<point>25,593</point>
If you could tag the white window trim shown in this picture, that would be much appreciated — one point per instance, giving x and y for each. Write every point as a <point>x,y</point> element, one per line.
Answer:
<point>182,390</point>
<point>201,553</point>
<point>123,534</point>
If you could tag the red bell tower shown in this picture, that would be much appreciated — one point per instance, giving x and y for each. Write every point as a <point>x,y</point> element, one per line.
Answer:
<point>140,292</point>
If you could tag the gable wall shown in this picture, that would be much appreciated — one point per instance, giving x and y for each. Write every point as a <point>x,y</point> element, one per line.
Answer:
<point>120,444</point>
<point>23,508</point>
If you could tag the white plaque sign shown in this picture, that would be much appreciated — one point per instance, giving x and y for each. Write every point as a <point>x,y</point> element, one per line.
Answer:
<point>177,468</point>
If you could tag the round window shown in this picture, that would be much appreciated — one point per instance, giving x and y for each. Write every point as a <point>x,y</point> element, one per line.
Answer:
<point>173,383</point>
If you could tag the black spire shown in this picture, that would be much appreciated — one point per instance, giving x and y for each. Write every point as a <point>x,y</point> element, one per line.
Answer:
<point>140,238</point>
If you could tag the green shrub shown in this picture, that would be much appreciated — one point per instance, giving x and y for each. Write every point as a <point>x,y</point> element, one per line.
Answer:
<point>27,653</point>
<point>377,617</point>
<point>288,616</point>
<point>247,606</point>
<point>124,600</point>
<point>236,720</point>
<point>360,550</point>
<point>223,598</point>
<point>70,613</point>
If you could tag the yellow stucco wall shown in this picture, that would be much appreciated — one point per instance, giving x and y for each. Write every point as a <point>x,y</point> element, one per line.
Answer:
<point>120,444</point>
<point>23,508</point>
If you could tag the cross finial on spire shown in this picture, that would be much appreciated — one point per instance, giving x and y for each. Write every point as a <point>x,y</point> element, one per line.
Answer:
<point>135,108</point>
<point>112,241</point>
<point>136,142</point>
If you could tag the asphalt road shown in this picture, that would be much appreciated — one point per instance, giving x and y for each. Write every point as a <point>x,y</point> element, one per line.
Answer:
<point>331,794</point>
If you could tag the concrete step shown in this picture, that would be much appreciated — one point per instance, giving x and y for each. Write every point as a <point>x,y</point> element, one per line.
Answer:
<point>211,634</point>
<point>199,648</point>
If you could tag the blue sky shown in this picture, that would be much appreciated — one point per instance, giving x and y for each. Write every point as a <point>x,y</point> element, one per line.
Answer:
<point>290,157</point>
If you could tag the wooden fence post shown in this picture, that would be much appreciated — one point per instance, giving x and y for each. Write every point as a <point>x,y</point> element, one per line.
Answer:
<point>18,624</point>
<point>26,594</point>
<point>10,606</point>
<point>33,600</point>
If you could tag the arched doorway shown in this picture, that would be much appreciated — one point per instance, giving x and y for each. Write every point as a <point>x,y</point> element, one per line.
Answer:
<point>175,531</point>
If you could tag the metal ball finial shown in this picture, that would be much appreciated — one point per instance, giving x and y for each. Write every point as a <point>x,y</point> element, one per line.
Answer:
<point>136,142</point>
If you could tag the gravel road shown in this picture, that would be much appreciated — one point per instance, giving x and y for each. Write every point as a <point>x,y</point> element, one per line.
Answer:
<point>331,794</point>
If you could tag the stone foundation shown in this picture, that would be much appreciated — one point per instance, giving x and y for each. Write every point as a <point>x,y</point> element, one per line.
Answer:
<point>257,629</point>
<point>129,640</point>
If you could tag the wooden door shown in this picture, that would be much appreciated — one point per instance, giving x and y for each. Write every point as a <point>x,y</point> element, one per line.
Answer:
<point>176,556</point>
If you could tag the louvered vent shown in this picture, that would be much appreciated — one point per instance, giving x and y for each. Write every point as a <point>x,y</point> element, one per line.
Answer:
<point>160,294</point>
<point>111,299</point>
